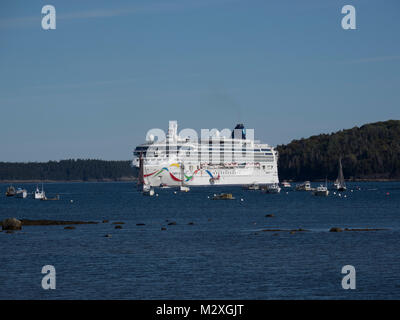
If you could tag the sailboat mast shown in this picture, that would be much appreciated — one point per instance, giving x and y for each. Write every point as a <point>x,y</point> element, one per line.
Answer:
<point>182,174</point>
<point>340,177</point>
<point>141,170</point>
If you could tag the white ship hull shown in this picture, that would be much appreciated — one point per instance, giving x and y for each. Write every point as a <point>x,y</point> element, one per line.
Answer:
<point>170,175</point>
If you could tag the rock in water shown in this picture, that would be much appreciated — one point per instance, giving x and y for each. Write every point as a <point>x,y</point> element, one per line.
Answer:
<point>69,228</point>
<point>11,224</point>
<point>335,229</point>
<point>27,222</point>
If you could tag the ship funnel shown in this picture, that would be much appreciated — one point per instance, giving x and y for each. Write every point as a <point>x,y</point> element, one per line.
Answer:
<point>239,132</point>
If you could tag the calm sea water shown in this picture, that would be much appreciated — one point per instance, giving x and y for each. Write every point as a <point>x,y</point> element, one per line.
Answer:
<point>223,255</point>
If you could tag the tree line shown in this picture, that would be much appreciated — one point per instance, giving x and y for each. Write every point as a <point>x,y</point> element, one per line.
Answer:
<point>371,151</point>
<point>67,170</point>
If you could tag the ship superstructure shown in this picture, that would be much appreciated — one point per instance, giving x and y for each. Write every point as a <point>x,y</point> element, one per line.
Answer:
<point>214,160</point>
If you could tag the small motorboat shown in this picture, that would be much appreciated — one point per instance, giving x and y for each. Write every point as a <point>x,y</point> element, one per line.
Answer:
<point>286,184</point>
<point>272,188</point>
<point>321,191</point>
<point>21,193</point>
<point>305,186</point>
<point>56,198</point>
<point>223,196</point>
<point>147,190</point>
<point>10,191</point>
<point>184,188</point>
<point>253,186</point>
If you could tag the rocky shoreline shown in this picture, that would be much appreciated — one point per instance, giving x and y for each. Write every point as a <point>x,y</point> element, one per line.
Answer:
<point>12,224</point>
<point>28,222</point>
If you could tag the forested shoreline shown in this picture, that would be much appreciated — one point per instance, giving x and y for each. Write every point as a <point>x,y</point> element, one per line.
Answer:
<point>369,152</point>
<point>67,170</point>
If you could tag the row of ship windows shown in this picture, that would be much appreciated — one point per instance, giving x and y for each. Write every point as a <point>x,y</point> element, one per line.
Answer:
<point>215,156</point>
<point>215,160</point>
<point>233,172</point>
<point>213,152</point>
<point>214,172</point>
<point>203,148</point>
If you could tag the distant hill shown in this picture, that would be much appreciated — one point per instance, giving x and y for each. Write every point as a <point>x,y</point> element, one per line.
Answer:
<point>369,152</point>
<point>67,170</point>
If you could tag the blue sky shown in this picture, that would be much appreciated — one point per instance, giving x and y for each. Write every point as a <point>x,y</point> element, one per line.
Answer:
<point>114,69</point>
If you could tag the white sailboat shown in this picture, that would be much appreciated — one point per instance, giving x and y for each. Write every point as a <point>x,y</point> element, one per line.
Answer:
<point>39,195</point>
<point>339,183</point>
<point>147,190</point>
<point>183,187</point>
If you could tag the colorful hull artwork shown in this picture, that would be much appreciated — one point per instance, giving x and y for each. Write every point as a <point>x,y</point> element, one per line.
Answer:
<point>173,177</point>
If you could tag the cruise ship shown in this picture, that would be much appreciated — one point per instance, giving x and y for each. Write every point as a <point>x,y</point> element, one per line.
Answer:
<point>213,160</point>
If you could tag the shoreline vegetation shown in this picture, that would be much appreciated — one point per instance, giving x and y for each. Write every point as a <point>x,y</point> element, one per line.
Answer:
<point>122,179</point>
<point>72,170</point>
<point>369,153</point>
